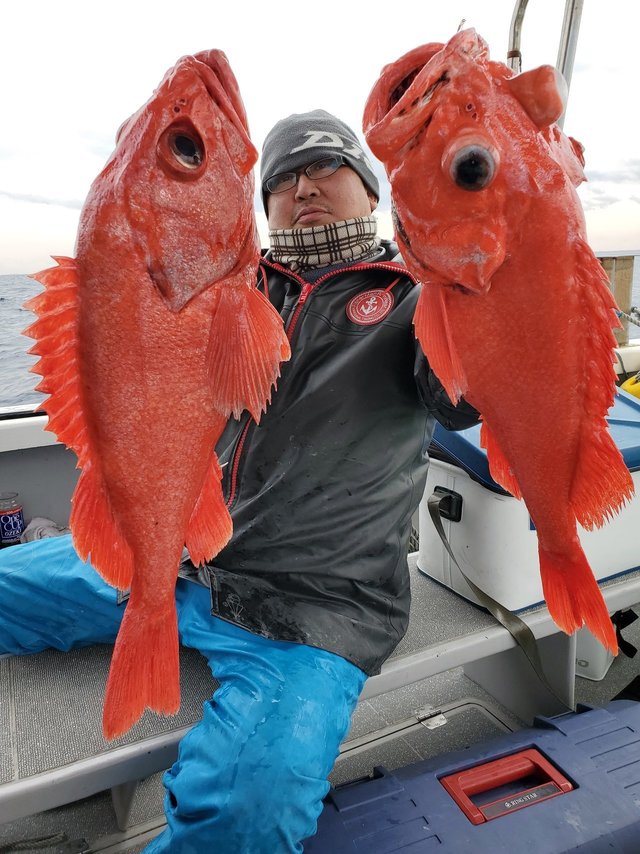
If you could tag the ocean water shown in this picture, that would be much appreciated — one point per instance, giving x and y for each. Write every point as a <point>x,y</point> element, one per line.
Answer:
<point>17,384</point>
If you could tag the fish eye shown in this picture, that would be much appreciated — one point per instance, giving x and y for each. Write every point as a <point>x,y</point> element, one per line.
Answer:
<point>472,167</point>
<point>181,150</point>
<point>187,149</point>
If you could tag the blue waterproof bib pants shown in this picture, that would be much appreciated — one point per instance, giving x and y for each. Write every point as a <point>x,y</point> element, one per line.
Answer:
<point>251,776</point>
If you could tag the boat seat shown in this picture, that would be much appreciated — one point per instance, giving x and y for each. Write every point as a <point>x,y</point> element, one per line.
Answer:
<point>52,751</point>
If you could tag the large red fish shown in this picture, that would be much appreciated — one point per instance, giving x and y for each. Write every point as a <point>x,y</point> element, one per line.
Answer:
<point>149,340</point>
<point>515,312</point>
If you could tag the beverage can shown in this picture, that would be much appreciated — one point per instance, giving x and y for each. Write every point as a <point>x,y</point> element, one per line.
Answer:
<point>11,519</point>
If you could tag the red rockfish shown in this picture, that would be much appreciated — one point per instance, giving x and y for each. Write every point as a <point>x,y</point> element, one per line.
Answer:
<point>148,341</point>
<point>515,312</point>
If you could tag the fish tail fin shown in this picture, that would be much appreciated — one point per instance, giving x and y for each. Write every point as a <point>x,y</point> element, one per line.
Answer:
<point>433,332</point>
<point>499,465</point>
<point>573,596</point>
<point>96,533</point>
<point>145,669</point>
<point>602,483</point>
<point>210,526</point>
<point>247,342</point>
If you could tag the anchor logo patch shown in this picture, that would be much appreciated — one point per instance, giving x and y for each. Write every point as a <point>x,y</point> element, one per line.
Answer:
<point>369,307</point>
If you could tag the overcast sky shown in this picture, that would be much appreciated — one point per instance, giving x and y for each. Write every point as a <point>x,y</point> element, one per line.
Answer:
<point>72,71</point>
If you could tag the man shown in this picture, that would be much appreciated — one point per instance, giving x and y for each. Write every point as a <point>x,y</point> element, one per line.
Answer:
<point>321,491</point>
<point>312,593</point>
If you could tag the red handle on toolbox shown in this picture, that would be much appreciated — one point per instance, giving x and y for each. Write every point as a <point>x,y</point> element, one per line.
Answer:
<point>491,775</point>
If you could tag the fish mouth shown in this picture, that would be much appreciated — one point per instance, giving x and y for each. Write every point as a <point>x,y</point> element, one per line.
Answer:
<point>399,227</point>
<point>462,289</point>
<point>159,281</point>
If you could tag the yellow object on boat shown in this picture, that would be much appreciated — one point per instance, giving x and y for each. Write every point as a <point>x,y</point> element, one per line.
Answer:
<point>632,385</point>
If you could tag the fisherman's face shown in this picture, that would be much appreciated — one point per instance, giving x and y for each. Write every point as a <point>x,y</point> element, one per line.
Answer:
<point>340,196</point>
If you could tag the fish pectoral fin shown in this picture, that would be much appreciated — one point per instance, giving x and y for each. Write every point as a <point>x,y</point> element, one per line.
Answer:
<point>433,332</point>
<point>499,465</point>
<point>246,345</point>
<point>209,528</point>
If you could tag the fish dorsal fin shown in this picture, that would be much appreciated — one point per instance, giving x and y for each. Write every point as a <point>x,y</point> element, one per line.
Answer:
<point>566,151</point>
<point>56,335</point>
<point>602,483</point>
<point>95,531</point>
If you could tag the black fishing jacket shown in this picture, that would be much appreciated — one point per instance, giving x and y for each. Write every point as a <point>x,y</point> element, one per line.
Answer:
<point>323,489</point>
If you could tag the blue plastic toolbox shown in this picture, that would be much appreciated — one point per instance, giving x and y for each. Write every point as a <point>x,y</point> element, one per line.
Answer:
<point>569,783</point>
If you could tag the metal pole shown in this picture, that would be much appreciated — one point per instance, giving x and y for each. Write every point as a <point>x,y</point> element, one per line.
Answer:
<point>514,57</point>
<point>568,42</point>
<point>566,49</point>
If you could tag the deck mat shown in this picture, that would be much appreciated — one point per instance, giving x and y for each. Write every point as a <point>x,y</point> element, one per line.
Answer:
<point>58,721</point>
<point>435,614</point>
<point>465,723</point>
<point>63,724</point>
<point>7,762</point>
<point>93,819</point>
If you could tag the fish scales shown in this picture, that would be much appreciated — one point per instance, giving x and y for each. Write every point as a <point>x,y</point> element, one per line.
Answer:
<point>515,312</point>
<point>149,339</point>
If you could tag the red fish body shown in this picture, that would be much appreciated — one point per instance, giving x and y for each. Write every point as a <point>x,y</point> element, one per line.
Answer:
<point>515,312</point>
<point>149,340</point>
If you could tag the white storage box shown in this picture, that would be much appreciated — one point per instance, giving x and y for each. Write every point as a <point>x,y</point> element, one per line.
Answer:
<point>495,542</point>
<point>592,659</point>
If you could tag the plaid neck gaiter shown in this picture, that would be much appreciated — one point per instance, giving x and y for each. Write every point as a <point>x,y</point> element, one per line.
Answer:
<point>321,245</point>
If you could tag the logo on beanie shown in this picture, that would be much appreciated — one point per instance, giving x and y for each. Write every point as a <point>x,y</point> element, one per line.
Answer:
<point>369,307</point>
<point>328,139</point>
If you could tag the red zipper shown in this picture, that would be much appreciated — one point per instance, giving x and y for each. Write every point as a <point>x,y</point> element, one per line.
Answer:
<point>305,291</point>
<point>304,294</point>
<point>235,463</point>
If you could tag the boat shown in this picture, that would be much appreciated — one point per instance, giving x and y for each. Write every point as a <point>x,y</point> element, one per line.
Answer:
<point>457,679</point>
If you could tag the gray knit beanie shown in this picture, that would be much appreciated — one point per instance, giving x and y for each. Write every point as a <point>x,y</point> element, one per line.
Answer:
<point>303,138</point>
